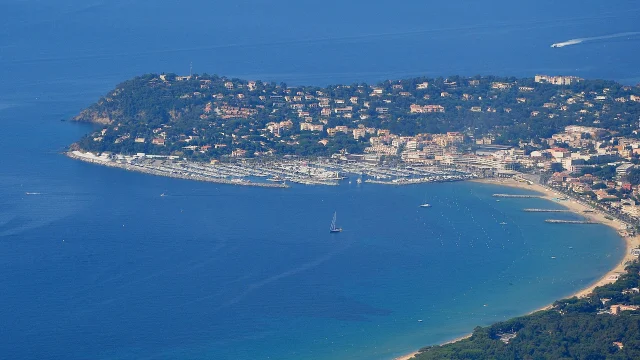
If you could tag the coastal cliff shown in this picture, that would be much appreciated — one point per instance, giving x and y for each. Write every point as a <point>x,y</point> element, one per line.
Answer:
<point>93,116</point>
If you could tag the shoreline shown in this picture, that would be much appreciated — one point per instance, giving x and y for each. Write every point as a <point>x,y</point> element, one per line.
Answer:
<point>576,208</point>
<point>411,355</point>
<point>277,173</point>
<point>144,170</point>
<point>572,205</point>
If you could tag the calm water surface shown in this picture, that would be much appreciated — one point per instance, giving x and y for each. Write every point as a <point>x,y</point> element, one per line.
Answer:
<point>98,265</point>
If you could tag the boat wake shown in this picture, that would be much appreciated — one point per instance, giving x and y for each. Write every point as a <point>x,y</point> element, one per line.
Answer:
<point>583,40</point>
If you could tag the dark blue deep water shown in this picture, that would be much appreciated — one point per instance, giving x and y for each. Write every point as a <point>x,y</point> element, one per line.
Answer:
<point>99,266</point>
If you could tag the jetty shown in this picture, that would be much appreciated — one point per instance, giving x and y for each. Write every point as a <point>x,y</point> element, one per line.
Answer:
<point>516,196</point>
<point>557,221</point>
<point>546,210</point>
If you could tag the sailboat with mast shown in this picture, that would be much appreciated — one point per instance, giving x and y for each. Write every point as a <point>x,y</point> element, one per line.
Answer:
<point>425,204</point>
<point>333,228</point>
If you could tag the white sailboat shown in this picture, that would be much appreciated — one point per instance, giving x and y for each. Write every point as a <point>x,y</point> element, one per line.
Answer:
<point>334,228</point>
<point>425,204</point>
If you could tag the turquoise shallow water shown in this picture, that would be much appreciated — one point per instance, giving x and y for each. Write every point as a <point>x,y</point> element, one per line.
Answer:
<point>99,266</point>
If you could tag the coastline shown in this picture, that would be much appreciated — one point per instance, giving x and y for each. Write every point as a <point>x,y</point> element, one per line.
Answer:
<point>545,193</point>
<point>93,160</point>
<point>413,354</point>
<point>578,208</point>
<point>574,207</point>
<point>280,172</point>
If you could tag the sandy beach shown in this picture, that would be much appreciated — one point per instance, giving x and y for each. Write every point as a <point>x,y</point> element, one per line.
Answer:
<point>578,208</point>
<point>408,356</point>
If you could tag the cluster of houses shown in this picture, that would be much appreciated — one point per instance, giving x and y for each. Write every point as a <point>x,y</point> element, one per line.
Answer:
<point>568,156</point>
<point>419,148</point>
<point>557,80</point>
<point>616,309</point>
<point>564,155</point>
<point>279,113</point>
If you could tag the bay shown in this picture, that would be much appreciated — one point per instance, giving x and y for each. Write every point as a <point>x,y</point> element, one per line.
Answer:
<point>98,265</point>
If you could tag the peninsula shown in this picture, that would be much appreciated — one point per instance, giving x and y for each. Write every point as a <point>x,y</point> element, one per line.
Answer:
<point>573,140</point>
<point>577,136</point>
<point>203,117</point>
<point>212,128</point>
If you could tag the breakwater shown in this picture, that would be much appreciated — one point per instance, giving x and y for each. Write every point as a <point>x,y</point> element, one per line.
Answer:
<point>420,180</point>
<point>557,221</point>
<point>515,196</point>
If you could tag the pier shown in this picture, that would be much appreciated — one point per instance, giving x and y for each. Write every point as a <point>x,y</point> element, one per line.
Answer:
<point>546,210</point>
<point>555,221</point>
<point>516,196</point>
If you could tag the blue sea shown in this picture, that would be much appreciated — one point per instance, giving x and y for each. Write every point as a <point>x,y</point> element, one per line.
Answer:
<point>96,265</point>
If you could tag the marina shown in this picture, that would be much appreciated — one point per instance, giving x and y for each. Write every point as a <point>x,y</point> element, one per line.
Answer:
<point>277,173</point>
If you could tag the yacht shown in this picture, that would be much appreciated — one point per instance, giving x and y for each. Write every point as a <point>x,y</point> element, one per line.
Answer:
<point>425,205</point>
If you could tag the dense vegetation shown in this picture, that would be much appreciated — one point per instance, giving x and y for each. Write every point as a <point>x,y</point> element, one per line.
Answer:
<point>233,114</point>
<point>573,329</point>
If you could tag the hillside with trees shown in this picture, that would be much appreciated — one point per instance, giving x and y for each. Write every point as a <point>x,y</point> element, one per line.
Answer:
<point>208,116</point>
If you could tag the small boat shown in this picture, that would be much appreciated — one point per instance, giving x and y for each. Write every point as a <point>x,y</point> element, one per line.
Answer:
<point>359,181</point>
<point>163,194</point>
<point>425,205</point>
<point>419,320</point>
<point>333,228</point>
<point>503,223</point>
<point>553,257</point>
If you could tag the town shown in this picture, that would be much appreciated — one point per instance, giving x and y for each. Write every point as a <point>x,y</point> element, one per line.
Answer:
<point>574,135</point>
